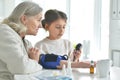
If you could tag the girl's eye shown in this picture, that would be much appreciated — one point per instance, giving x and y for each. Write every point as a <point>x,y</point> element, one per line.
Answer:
<point>64,27</point>
<point>60,27</point>
<point>57,27</point>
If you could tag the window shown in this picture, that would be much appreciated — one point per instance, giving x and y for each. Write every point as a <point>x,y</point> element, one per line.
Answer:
<point>48,4</point>
<point>82,23</point>
<point>88,24</point>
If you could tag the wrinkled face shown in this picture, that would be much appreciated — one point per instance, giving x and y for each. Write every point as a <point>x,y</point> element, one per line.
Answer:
<point>33,23</point>
<point>56,29</point>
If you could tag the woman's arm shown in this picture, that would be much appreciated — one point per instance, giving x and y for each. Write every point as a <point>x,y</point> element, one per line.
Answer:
<point>13,53</point>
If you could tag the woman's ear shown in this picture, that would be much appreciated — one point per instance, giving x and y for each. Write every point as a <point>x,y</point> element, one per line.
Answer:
<point>23,19</point>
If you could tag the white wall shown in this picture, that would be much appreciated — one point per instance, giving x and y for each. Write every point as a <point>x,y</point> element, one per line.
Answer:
<point>7,6</point>
<point>114,37</point>
<point>1,8</point>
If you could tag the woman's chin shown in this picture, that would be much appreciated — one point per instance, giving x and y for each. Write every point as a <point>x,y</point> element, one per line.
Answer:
<point>34,34</point>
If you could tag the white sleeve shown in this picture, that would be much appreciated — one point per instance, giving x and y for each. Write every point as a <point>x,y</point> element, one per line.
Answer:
<point>27,44</point>
<point>14,56</point>
<point>37,45</point>
<point>71,49</point>
<point>40,47</point>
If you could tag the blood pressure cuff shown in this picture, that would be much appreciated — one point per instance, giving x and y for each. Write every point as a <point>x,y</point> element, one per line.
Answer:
<point>51,61</point>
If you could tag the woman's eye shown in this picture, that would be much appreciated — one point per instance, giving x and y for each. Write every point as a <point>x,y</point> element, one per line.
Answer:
<point>39,20</point>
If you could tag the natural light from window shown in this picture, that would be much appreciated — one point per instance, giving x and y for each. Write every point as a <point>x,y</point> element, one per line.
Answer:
<point>88,23</point>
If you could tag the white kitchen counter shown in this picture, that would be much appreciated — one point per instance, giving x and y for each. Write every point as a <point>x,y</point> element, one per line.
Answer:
<point>78,74</point>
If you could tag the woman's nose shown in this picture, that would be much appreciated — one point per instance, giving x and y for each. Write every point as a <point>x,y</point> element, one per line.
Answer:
<point>40,25</point>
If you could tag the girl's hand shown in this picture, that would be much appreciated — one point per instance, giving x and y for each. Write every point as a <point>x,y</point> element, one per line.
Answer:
<point>34,54</point>
<point>76,55</point>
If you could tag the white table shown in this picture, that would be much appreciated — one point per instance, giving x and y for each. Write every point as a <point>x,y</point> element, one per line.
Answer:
<point>83,74</point>
<point>78,74</point>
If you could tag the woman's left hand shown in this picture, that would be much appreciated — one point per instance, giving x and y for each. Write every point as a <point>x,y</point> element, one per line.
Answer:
<point>34,53</point>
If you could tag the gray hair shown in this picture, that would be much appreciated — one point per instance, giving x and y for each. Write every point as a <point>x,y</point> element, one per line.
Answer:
<point>27,8</point>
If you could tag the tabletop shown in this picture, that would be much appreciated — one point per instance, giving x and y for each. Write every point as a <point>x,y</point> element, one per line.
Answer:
<point>78,74</point>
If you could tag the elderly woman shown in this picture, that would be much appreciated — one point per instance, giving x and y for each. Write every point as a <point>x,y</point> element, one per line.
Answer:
<point>17,56</point>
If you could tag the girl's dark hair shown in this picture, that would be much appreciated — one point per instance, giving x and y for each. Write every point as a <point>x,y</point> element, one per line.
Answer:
<point>52,15</point>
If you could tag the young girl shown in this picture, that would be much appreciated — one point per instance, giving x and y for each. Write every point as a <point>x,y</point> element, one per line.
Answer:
<point>55,24</point>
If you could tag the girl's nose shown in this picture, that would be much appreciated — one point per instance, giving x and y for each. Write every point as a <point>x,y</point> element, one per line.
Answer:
<point>62,30</point>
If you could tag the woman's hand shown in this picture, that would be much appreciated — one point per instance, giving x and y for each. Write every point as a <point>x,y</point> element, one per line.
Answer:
<point>76,55</point>
<point>34,54</point>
